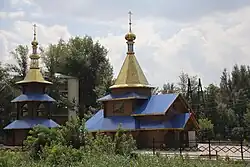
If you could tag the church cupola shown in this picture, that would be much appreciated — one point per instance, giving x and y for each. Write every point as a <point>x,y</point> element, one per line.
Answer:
<point>131,74</point>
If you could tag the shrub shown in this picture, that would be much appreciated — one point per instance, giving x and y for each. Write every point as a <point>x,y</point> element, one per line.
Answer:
<point>58,155</point>
<point>124,143</point>
<point>238,133</point>
<point>101,143</point>
<point>39,137</point>
<point>206,129</point>
<point>73,133</point>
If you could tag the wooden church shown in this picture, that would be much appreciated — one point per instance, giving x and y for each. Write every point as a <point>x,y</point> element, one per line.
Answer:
<point>33,105</point>
<point>166,117</point>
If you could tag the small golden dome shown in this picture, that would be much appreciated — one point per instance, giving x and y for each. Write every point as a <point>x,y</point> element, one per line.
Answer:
<point>130,36</point>
<point>34,43</point>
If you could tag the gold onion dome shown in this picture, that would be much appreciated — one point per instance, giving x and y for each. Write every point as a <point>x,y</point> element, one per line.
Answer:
<point>130,36</point>
<point>34,43</point>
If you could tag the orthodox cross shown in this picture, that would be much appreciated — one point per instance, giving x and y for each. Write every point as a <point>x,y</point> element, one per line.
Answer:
<point>130,22</point>
<point>34,31</point>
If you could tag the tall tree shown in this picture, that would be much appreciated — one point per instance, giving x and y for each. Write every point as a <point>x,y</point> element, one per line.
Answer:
<point>85,59</point>
<point>20,55</point>
<point>7,93</point>
<point>52,56</point>
<point>183,83</point>
<point>169,88</point>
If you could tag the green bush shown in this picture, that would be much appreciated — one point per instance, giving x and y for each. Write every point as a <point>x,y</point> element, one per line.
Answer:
<point>124,143</point>
<point>238,133</point>
<point>39,137</point>
<point>72,134</point>
<point>59,155</point>
<point>75,135</point>
<point>206,129</point>
<point>72,145</point>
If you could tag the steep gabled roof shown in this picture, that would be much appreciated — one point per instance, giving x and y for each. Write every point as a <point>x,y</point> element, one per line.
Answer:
<point>131,74</point>
<point>156,105</point>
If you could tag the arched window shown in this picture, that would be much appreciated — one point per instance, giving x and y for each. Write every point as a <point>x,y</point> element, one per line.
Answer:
<point>41,110</point>
<point>24,111</point>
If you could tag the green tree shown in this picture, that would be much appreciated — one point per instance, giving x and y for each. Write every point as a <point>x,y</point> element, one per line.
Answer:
<point>169,88</point>
<point>206,129</point>
<point>183,83</point>
<point>52,58</point>
<point>87,60</point>
<point>20,55</point>
<point>7,93</point>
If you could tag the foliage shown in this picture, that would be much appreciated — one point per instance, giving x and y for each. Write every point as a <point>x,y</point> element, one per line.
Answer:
<point>124,143</point>
<point>20,55</point>
<point>206,129</point>
<point>84,59</point>
<point>57,155</point>
<point>40,137</point>
<point>169,88</point>
<point>74,135</point>
<point>67,156</point>
<point>237,133</point>
<point>7,93</point>
<point>226,105</point>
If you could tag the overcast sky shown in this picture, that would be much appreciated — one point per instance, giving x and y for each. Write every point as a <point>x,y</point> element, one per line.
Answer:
<point>200,37</point>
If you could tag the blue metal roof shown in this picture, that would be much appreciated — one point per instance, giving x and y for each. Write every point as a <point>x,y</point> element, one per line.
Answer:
<point>30,123</point>
<point>98,122</point>
<point>157,104</point>
<point>123,96</point>
<point>33,97</point>
<point>178,121</point>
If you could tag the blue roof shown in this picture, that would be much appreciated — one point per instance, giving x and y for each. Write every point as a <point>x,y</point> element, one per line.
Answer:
<point>30,123</point>
<point>98,122</point>
<point>33,97</point>
<point>178,121</point>
<point>157,104</point>
<point>131,95</point>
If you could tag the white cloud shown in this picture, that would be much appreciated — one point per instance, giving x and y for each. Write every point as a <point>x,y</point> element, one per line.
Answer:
<point>12,15</point>
<point>20,2</point>
<point>3,15</point>
<point>22,33</point>
<point>16,15</point>
<point>164,47</point>
<point>203,47</point>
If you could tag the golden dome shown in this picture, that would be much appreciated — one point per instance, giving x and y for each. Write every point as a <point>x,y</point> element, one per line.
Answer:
<point>34,43</point>
<point>130,36</point>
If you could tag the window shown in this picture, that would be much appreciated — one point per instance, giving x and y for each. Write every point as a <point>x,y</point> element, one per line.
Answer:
<point>118,107</point>
<point>41,110</point>
<point>24,111</point>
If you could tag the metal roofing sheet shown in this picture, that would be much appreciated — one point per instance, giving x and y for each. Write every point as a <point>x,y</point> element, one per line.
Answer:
<point>156,104</point>
<point>98,122</point>
<point>33,97</point>
<point>30,123</point>
<point>123,96</point>
<point>178,121</point>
